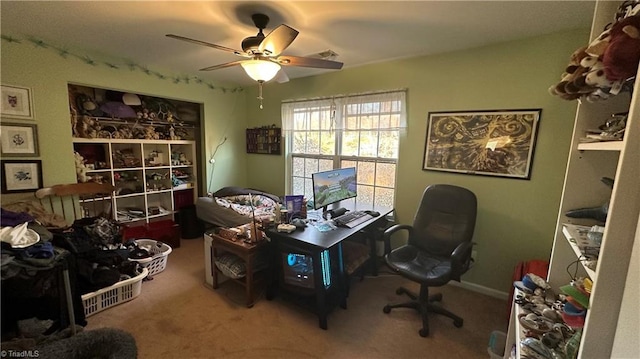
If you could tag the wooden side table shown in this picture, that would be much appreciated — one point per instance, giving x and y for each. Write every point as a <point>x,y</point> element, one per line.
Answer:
<point>247,252</point>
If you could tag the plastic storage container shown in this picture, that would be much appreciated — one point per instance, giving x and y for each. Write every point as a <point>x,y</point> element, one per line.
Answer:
<point>160,253</point>
<point>497,342</point>
<point>118,293</point>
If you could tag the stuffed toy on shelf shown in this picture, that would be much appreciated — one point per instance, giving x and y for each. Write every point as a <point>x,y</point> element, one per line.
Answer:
<point>606,65</point>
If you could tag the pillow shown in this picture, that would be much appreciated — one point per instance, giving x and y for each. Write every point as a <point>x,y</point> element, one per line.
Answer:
<point>231,265</point>
<point>234,267</point>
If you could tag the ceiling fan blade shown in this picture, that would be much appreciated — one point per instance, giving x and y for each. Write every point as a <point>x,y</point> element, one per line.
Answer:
<point>308,62</point>
<point>198,42</point>
<point>222,66</point>
<point>278,40</point>
<point>281,77</point>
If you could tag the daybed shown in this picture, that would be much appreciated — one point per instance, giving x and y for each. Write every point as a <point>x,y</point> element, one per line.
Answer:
<point>235,206</point>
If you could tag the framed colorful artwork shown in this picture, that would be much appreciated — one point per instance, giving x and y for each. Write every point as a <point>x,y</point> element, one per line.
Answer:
<point>494,143</point>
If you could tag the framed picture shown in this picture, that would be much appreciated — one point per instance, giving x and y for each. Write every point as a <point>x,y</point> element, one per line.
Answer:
<point>21,176</point>
<point>493,143</point>
<point>18,139</point>
<point>16,102</point>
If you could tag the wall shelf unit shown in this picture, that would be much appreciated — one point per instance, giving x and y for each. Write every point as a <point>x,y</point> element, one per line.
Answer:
<point>588,163</point>
<point>264,140</point>
<point>150,189</point>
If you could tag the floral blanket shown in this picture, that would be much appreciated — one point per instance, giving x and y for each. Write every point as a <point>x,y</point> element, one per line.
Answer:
<point>249,205</point>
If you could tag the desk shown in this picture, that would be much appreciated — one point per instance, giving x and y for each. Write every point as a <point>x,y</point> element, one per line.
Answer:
<point>328,282</point>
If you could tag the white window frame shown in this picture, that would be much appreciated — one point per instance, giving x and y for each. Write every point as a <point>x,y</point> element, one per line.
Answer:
<point>337,105</point>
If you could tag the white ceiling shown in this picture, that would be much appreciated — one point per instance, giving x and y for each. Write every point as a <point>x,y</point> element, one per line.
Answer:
<point>360,32</point>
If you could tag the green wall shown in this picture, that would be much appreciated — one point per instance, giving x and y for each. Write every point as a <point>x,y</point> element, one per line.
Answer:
<point>47,73</point>
<point>516,218</point>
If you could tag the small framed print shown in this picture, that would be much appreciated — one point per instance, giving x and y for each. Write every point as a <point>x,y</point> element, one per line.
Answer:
<point>18,140</point>
<point>21,176</point>
<point>16,102</point>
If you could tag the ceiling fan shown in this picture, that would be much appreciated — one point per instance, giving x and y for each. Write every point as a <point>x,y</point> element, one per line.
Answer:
<point>264,53</point>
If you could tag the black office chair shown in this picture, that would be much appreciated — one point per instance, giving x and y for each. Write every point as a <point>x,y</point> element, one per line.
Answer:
<point>438,248</point>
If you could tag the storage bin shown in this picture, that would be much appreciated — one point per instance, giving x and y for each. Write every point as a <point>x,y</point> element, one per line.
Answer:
<point>497,343</point>
<point>118,293</point>
<point>166,231</point>
<point>159,251</point>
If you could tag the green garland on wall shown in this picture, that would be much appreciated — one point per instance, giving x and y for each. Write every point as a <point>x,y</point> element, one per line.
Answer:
<point>66,54</point>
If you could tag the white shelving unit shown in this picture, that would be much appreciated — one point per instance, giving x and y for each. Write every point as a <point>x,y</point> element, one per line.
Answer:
<point>601,146</point>
<point>154,178</point>
<point>574,233</point>
<point>144,145</point>
<point>588,163</point>
<point>515,330</point>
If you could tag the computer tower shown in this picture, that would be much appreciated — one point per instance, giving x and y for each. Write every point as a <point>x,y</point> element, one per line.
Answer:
<point>297,269</point>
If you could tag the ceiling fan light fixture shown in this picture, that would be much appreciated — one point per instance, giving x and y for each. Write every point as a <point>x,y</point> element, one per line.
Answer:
<point>260,70</point>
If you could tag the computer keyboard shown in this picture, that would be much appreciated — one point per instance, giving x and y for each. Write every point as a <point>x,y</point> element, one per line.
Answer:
<point>352,219</point>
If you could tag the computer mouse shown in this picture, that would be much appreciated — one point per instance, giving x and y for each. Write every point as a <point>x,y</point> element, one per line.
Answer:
<point>299,223</point>
<point>372,213</point>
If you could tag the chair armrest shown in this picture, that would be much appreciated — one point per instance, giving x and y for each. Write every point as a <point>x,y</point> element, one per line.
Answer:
<point>461,259</point>
<point>386,236</point>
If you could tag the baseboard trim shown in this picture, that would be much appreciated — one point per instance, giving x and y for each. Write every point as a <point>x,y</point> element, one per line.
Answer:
<point>481,289</point>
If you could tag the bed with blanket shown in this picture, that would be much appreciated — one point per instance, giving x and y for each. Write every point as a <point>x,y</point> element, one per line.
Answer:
<point>235,206</point>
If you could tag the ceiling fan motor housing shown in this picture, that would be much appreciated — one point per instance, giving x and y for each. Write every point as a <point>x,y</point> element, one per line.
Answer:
<point>251,43</point>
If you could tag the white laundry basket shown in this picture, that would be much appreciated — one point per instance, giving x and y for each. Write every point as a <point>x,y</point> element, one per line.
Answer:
<point>159,251</point>
<point>118,293</point>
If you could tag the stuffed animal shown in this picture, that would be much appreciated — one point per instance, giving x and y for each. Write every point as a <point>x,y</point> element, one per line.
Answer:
<point>85,127</point>
<point>81,169</point>
<point>596,47</point>
<point>621,57</point>
<point>594,78</point>
<point>572,84</point>
<point>150,133</point>
<point>601,69</point>
<point>596,75</point>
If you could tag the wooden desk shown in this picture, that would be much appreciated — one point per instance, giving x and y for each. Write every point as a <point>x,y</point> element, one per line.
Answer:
<point>247,251</point>
<point>328,288</point>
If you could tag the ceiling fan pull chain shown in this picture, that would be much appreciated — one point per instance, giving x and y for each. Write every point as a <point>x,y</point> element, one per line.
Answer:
<point>260,93</point>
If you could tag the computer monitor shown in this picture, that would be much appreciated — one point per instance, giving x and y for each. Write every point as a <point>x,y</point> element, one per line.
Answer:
<point>333,186</point>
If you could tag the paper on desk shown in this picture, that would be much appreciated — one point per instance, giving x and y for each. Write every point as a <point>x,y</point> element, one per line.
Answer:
<point>325,226</point>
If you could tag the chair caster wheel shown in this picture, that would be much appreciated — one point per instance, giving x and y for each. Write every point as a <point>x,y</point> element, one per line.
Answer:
<point>423,333</point>
<point>458,323</point>
<point>386,309</point>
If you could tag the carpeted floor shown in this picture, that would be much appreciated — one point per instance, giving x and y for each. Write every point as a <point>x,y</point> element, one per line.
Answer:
<point>178,316</point>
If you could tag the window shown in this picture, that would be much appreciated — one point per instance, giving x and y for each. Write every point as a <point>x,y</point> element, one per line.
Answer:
<point>361,131</point>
